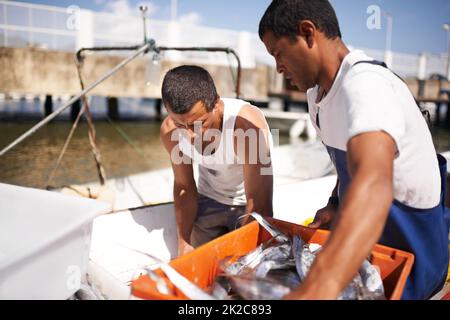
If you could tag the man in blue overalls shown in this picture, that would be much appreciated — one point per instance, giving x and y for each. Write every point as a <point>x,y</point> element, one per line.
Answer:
<point>391,184</point>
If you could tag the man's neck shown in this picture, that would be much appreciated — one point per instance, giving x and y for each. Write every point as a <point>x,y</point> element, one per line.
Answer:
<point>334,54</point>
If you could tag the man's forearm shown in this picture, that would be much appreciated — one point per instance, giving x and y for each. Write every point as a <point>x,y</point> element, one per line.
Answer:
<point>186,206</point>
<point>360,223</point>
<point>260,200</point>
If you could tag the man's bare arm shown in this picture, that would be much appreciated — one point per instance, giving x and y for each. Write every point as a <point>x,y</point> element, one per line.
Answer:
<point>255,153</point>
<point>184,189</point>
<point>361,219</point>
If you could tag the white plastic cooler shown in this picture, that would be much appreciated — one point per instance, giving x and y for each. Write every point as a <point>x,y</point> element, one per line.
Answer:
<point>44,242</point>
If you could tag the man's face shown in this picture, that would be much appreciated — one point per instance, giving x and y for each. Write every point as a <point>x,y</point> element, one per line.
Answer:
<point>294,58</point>
<point>197,114</point>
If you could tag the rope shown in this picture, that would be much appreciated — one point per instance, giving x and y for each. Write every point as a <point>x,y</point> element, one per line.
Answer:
<point>91,134</point>
<point>66,144</point>
<point>91,131</point>
<point>126,137</point>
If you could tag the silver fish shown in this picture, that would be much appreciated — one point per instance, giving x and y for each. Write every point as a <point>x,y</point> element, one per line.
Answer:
<point>221,288</point>
<point>247,261</point>
<point>270,265</point>
<point>371,279</point>
<point>161,285</point>
<point>357,291</point>
<point>353,291</point>
<point>249,275</point>
<point>304,258</point>
<point>277,252</point>
<point>366,285</point>
<point>184,285</point>
<point>286,277</point>
<point>274,257</point>
<point>250,288</point>
<point>273,231</point>
<point>187,287</point>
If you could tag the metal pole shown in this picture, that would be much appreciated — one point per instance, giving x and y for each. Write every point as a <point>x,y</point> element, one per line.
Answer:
<point>448,56</point>
<point>389,32</point>
<point>75,98</point>
<point>5,17</point>
<point>144,9</point>
<point>173,10</point>
<point>447,28</point>
<point>30,23</point>
<point>388,48</point>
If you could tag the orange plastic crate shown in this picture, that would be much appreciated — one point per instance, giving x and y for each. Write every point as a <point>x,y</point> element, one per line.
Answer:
<point>201,265</point>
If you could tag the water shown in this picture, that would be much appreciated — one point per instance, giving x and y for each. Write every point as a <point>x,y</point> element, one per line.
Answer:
<point>30,163</point>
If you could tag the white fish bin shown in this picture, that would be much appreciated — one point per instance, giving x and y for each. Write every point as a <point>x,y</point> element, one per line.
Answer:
<point>44,242</point>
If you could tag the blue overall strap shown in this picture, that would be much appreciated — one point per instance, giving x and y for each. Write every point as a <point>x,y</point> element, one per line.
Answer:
<point>447,219</point>
<point>425,234</point>
<point>421,232</point>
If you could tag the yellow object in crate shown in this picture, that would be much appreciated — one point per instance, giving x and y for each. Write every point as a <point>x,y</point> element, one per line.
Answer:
<point>307,222</point>
<point>448,273</point>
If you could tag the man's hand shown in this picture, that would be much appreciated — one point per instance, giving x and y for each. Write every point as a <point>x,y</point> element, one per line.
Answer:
<point>184,247</point>
<point>324,217</point>
<point>245,220</point>
<point>362,217</point>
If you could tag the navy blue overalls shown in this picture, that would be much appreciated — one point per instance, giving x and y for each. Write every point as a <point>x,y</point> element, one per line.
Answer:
<point>421,232</point>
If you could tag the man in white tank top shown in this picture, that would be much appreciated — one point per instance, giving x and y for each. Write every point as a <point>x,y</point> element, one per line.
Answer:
<point>230,141</point>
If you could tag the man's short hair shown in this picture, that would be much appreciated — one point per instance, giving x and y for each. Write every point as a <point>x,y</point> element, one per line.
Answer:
<point>185,86</point>
<point>282,18</point>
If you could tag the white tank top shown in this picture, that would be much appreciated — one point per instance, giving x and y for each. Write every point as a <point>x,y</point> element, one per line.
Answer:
<point>221,177</point>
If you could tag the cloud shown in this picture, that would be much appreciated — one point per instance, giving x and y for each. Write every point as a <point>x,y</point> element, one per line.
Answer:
<point>123,7</point>
<point>190,18</point>
<point>125,26</point>
<point>125,23</point>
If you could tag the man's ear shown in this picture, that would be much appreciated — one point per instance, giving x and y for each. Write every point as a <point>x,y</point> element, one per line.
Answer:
<point>217,104</point>
<point>307,31</point>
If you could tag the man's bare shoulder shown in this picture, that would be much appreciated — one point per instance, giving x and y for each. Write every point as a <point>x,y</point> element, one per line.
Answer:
<point>165,132</point>
<point>167,126</point>
<point>250,116</point>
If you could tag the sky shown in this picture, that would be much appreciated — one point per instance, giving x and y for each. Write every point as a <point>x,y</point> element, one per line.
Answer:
<point>416,28</point>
